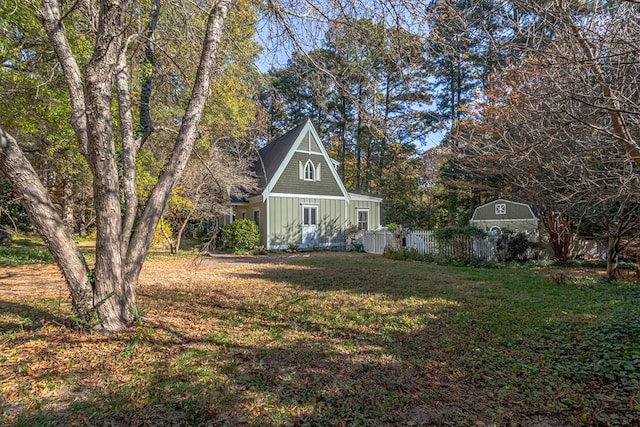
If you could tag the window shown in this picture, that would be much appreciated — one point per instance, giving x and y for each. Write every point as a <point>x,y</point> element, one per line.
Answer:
<point>309,171</point>
<point>501,209</point>
<point>256,217</point>
<point>244,214</point>
<point>363,219</point>
<point>310,215</point>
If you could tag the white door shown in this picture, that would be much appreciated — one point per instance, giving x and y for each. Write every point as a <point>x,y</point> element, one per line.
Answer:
<point>309,226</point>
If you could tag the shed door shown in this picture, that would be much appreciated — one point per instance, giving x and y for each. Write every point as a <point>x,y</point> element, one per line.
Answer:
<point>309,225</point>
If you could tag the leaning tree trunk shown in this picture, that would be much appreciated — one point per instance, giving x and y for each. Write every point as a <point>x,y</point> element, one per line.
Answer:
<point>44,216</point>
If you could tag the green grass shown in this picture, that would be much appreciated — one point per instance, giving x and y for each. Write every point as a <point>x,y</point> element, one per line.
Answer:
<point>30,250</point>
<point>13,256</point>
<point>342,339</point>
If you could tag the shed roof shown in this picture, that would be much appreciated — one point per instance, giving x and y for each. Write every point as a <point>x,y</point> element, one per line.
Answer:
<point>511,211</point>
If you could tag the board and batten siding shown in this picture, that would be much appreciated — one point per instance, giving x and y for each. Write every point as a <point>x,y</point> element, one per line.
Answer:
<point>285,221</point>
<point>374,213</point>
<point>308,144</point>
<point>250,209</point>
<point>290,182</point>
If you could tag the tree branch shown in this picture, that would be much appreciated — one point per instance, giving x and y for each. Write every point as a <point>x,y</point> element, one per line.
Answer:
<point>143,235</point>
<point>617,119</point>
<point>50,18</point>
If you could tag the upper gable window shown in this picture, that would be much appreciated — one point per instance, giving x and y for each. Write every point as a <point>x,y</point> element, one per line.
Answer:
<point>501,209</point>
<point>309,171</point>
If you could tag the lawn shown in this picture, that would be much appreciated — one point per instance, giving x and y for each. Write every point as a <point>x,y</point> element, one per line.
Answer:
<point>336,339</point>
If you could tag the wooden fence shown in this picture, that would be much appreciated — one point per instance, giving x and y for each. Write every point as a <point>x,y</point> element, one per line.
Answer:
<point>424,242</point>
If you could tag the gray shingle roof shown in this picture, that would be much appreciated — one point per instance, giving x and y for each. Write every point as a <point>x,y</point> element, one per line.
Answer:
<point>271,156</point>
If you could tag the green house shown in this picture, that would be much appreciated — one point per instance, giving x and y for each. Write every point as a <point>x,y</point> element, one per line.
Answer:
<point>301,200</point>
<point>501,215</point>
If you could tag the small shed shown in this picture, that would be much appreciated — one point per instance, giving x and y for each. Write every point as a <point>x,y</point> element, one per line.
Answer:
<point>501,215</point>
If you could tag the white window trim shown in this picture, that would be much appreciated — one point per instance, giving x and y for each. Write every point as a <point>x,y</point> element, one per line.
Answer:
<point>358,210</point>
<point>310,167</point>
<point>306,205</point>
<point>501,208</point>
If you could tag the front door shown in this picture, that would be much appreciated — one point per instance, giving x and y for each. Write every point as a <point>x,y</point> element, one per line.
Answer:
<point>309,226</point>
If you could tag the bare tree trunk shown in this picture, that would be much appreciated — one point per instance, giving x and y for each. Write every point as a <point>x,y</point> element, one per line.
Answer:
<point>180,232</point>
<point>559,230</point>
<point>385,124</point>
<point>115,302</point>
<point>613,255</point>
<point>168,238</point>
<point>359,140</point>
<point>24,180</point>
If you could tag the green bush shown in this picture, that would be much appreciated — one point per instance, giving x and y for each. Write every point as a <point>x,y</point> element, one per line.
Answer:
<point>240,236</point>
<point>515,246</point>
<point>447,234</point>
<point>403,254</point>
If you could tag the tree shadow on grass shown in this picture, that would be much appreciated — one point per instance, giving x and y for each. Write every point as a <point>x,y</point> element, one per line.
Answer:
<point>403,381</point>
<point>284,359</point>
<point>25,317</point>
<point>305,382</point>
<point>302,369</point>
<point>360,273</point>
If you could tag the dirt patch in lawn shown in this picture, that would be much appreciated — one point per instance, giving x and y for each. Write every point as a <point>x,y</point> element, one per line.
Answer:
<point>46,281</point>
<point>42,280</point>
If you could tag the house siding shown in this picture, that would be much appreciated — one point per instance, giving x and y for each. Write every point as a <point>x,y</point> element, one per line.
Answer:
<point>290,182</point>
<point>374,213</point>
<point>285,222</point>
<point>507,225</point>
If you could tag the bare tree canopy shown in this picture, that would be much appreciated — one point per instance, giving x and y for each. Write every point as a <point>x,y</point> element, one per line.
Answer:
<point>562,123</point>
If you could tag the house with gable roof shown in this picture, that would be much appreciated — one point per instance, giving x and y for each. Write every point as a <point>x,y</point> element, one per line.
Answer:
<point>301,199</point>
